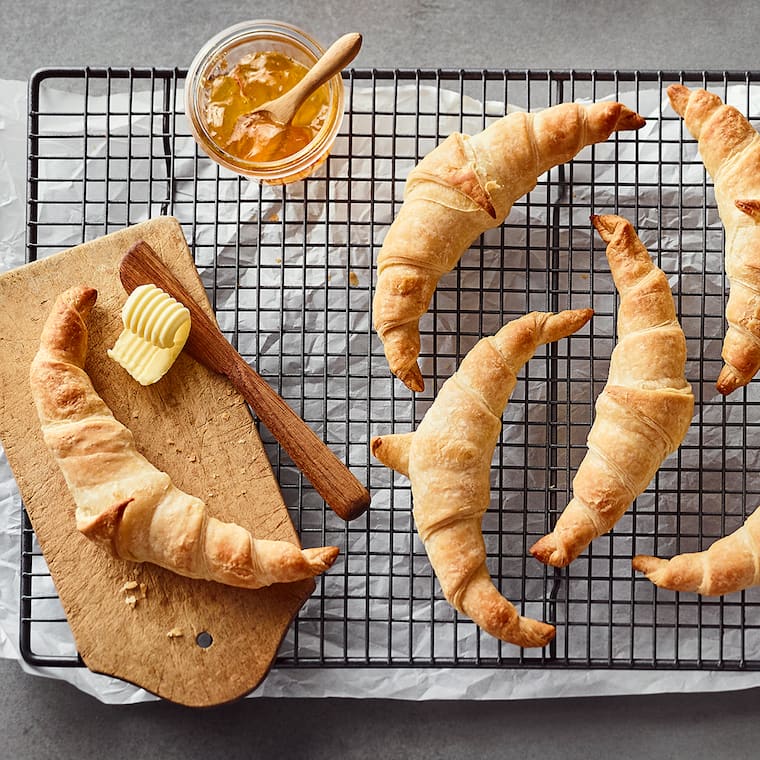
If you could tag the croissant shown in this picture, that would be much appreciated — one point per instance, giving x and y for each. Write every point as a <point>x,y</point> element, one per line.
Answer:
<point>462,188</point>
<point>732,563</point>
<point>730,150</point>
<point>645,409</point>
<point>123,502</point>
<point>448,459</point>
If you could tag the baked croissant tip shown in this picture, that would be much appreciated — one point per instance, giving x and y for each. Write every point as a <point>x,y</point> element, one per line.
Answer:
<point>392,450</point>
<point>534,633</point>
<point>321,558</point>
<point>607,223</point>
<point>647,564</point>
<point>630,120</point>
<point>545,550</point>
<point>375,446</point>
<point>81,298</point>
<point>679,95</point>
<point>540,634</point>
<point>728,381</point>
<point>412,378</point>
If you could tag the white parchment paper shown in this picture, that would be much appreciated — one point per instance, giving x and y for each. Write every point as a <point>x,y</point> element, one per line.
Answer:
<point>400,683</point>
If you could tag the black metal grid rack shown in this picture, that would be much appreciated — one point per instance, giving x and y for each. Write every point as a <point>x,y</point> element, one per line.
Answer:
<point>289,272</point>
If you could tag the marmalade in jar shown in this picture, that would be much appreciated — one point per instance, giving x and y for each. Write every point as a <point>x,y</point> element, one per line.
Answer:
<point>232,96</point>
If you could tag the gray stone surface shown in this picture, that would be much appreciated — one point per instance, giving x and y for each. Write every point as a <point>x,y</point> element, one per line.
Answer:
<point>41,718</point>
<point>48,719</point>
<point>430,33</point>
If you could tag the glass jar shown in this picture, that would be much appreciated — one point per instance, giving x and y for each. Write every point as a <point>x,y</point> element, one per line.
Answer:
<point>221,54</point>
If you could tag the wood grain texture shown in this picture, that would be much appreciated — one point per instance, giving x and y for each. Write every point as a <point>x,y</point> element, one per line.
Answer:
<point>191,424</point>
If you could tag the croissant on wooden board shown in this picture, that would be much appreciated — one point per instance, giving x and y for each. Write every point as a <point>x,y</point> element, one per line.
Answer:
<point>730,564</point>
<point>645,409</point>
<point>448,461</point>
<point>730,150</point>
<point>462,188</point>
<point>123,502</point>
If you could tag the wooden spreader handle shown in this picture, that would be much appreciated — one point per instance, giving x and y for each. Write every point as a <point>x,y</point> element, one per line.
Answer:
<point>333,61</point>
<point>334,482</point>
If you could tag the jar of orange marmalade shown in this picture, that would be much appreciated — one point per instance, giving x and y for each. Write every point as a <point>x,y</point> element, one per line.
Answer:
<point>239,70</point>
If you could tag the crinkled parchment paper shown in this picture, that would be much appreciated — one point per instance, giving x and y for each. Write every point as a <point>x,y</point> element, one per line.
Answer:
<point>403,683</point>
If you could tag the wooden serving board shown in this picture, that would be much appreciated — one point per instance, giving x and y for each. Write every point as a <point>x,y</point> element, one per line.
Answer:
<point>191,424</point>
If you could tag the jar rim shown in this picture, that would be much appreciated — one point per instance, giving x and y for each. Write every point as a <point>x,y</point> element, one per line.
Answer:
<point>230,38</point>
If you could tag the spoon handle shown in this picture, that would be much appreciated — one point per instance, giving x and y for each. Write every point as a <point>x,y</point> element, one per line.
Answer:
<point>334,482</point>
<point>335,59</point>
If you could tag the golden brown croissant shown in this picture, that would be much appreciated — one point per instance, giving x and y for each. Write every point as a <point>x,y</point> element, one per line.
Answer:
<point>122,501</point>
<point>732,563</point>
<point>448,460</point>
<point>730,150</point>
<point>462,188</point>
<point>645,409</point>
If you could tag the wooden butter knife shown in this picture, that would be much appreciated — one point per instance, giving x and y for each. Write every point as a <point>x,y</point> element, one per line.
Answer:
<point>334,482</point>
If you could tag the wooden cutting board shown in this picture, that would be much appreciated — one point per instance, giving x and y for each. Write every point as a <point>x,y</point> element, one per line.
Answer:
<point>191,424</point>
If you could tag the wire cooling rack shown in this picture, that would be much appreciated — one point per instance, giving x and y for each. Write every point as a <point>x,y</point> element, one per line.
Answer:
<point>289,272</point>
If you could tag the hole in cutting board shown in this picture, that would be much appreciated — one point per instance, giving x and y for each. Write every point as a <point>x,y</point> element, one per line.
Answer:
<point>204,640</point>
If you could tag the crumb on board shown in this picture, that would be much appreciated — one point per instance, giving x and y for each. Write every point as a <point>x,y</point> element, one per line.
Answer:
<point>193,458</point>
<point>175,633</point>
<point>135,592</point>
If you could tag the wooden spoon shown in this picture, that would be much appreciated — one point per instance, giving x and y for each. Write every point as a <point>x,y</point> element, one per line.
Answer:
<point>282,110</point>
<point>332,479</point>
